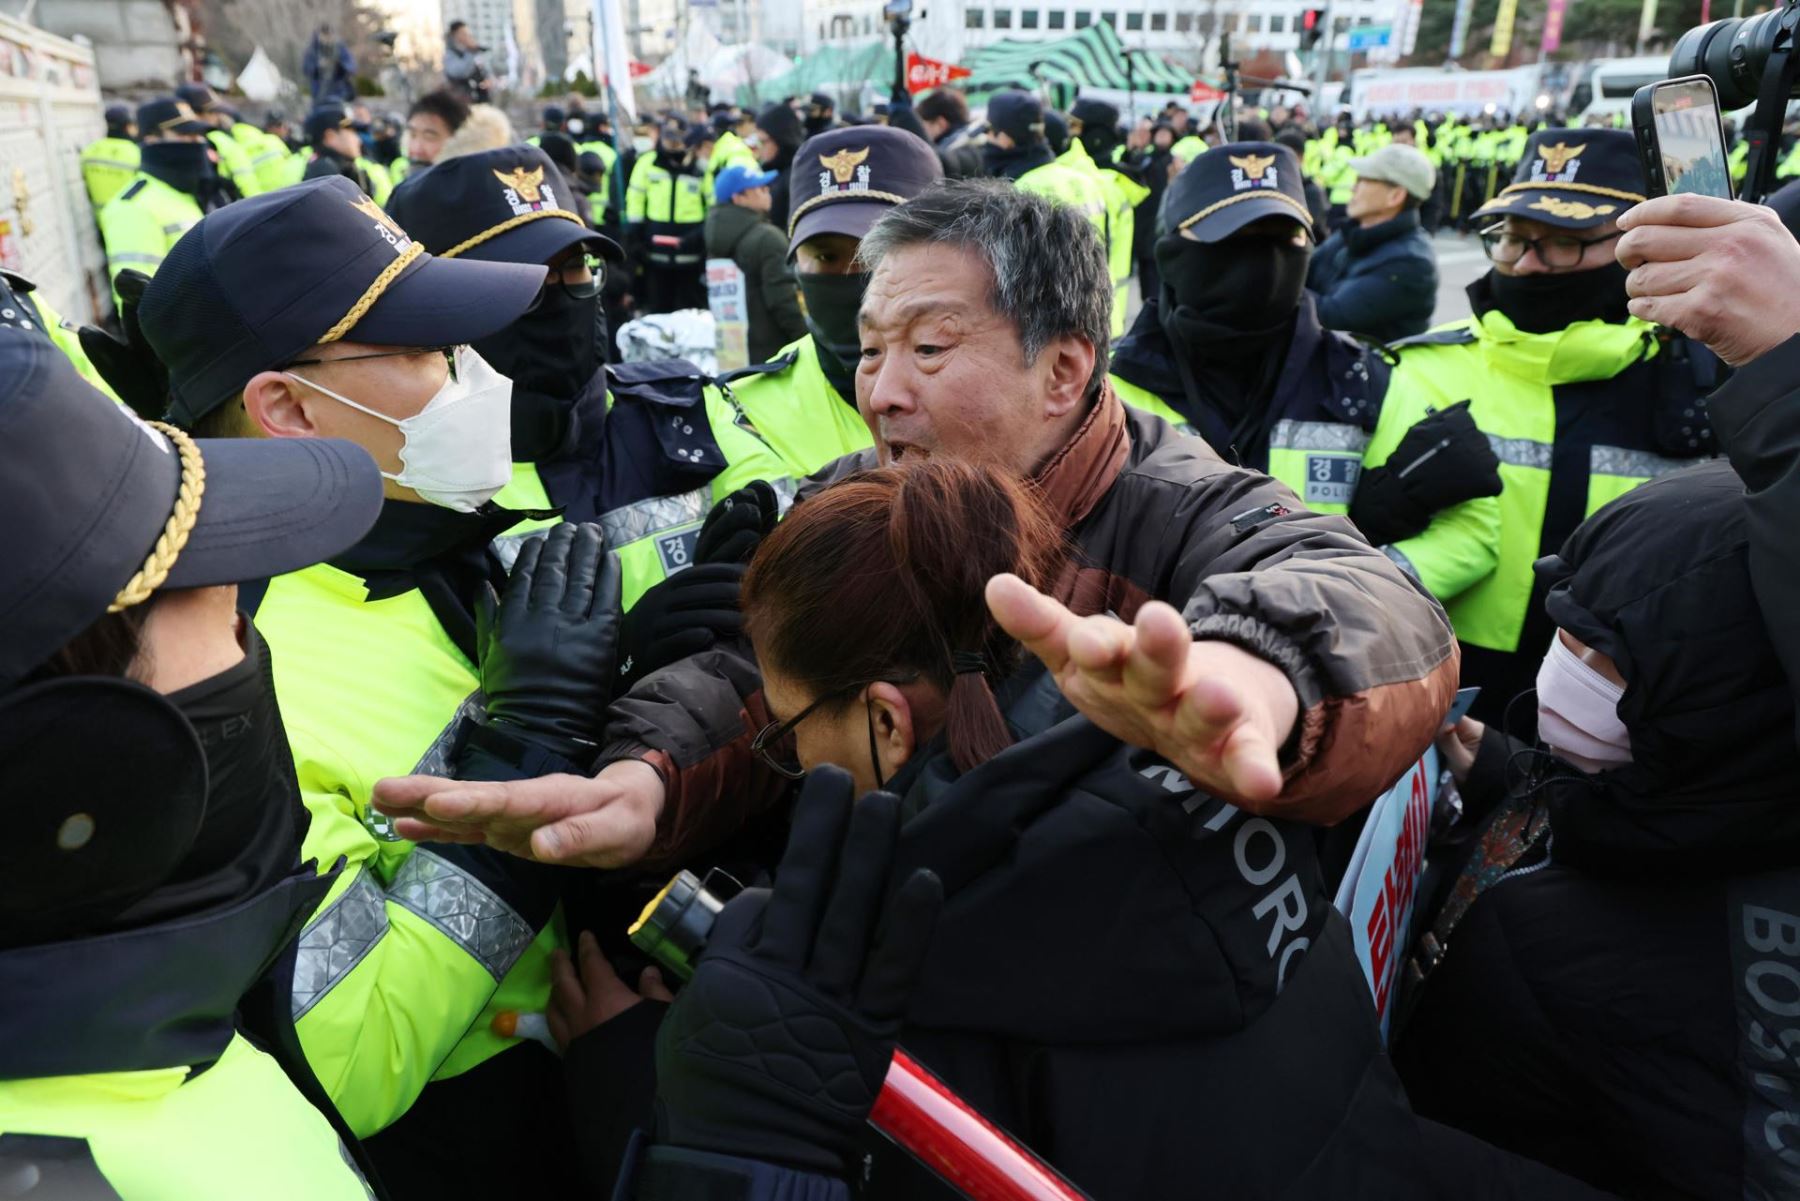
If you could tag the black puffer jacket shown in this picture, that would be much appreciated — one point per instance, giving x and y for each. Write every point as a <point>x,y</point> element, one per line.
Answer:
<point>1151,988</point>
<point>1625,1006</point>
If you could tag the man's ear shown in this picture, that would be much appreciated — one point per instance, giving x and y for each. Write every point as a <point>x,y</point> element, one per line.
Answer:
<point>1071,359</point>
<point>278,406</point>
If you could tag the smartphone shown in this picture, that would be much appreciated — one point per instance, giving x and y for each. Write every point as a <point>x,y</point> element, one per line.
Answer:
<point>1465,700</point>
<point>1681,138</point>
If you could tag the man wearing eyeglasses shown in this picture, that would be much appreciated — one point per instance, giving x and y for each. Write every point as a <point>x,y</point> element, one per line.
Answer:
<point>1581,401</point>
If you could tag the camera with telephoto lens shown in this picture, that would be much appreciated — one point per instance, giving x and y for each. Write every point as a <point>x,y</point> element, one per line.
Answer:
<point>1749,60</point>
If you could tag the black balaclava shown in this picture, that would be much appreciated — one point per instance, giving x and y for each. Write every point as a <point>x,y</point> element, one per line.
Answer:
<point>1228,310</point>
<point>1550,301</point>
<point>551,355</point>
<point>832,305</point>
<point>184,166</point>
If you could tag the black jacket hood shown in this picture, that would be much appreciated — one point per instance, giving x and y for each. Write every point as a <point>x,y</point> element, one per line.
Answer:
<point>1660,581</point>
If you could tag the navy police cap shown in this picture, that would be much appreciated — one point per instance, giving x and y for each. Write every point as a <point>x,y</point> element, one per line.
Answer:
<point>97,499</point>
<point>509,205</point>
<point>844,180</point>
<point>1230,186</point>
<point>166,115</point>
<point>1573,178</point>
<point>326,117</point>
<point>259,281</point>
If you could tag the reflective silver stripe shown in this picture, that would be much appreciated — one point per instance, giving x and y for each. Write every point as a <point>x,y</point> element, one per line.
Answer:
<point>134,257</point>
<point>786,488</point>
<point>506,547</point>
<point>336,941</point>
<point>1521,452</point>
<point>1317,435</point>
<point>109,162</point>
<point>179,227</point>
<point>1635,464</point>
<point>436,759</point>
<point>652,515</point>
<point>1401,561</point>
<point>466,910</point>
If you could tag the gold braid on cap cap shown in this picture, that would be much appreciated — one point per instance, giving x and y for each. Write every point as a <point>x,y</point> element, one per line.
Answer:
<point>829,197</point>
<point>1253,194</point>
<point>1593,189</point>
<point>168,546</point>
<point>504,226</point>
<point>367,301</point>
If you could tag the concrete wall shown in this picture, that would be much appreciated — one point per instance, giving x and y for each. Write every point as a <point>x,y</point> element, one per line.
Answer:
<point>135,41</point>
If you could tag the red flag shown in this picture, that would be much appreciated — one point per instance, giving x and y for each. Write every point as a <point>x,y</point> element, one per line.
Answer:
<point>1203,91</point>
<point>924,73</point>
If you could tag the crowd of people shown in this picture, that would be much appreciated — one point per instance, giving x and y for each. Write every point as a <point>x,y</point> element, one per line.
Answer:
<point>1030,664</point>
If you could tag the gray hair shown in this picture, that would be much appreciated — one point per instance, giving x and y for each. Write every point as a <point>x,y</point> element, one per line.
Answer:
<point>1050,273</point>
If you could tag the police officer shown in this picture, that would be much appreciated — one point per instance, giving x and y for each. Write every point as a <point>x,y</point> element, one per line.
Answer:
<point>23,308</point>
<point>1017,150</point>
<point>1232,349</point>
<point>236,160</point>
<point>1096,149</point>
<point>336,149</point>
<point>175,185</point>
<point>665,214</point>
<point>1582,401</point>
<point>146,888</point>
<point>803,401</point>
<point>553,118</point>
<point>108,163</point>
<point>617,459</point>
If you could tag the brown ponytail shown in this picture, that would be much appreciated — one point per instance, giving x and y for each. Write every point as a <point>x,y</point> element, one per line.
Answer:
<point>884,575</point>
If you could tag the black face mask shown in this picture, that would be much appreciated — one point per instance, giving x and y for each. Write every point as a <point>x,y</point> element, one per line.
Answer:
<point>1242,288</point>
<point>832,304</point>
<point>1545,303</point>
<point>551,354</point>
<point>250,837</point>
<point>186,166</point>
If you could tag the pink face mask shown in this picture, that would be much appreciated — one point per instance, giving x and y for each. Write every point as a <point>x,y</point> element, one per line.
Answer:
<point>1578,712</point>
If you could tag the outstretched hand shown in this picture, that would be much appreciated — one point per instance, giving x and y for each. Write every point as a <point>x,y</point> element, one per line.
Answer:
<point>1215,711</point>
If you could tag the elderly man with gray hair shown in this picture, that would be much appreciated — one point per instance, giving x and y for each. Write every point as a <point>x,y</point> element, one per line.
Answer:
<point>1268,653</point>
<point>1377,274</point>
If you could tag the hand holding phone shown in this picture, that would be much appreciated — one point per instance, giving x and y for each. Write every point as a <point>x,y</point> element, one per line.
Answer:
<point>1681,138</point>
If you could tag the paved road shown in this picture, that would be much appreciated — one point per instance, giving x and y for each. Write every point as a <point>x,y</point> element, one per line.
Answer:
<point>1460,261</point>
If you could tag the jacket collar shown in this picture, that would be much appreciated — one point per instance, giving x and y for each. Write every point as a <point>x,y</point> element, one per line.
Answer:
<point>1361,240</point>
<point>1079,474</point>
<point>159,997</point>
<point>1586,350</point>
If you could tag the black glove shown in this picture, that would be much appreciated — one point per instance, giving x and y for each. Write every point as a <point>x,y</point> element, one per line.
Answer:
<point>738,524</point>
<point>128,365</point>
<point>1442,461</point>
<point>547,648</point>
<point>777,1049</point>
<point>683,615</point>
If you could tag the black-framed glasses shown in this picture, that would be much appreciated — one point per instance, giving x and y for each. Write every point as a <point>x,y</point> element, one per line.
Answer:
<point>768,743</point>
<point>585,289</point>
<point>1557,250</point>
<point>449,353</point>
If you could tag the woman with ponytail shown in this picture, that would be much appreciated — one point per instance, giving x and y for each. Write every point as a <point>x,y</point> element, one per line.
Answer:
<point>1146,985</point>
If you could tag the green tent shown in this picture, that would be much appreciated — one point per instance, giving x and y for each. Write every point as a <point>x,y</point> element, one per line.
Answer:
<point>835,69</point>
<point>1093,58</point>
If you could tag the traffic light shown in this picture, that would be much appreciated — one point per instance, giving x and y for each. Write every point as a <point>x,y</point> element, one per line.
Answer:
<point>1312,27</point>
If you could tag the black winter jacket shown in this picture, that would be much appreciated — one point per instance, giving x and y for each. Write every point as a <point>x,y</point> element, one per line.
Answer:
<point>1621,1005</point>
<point>758,248</point>
<point>1381,281</point>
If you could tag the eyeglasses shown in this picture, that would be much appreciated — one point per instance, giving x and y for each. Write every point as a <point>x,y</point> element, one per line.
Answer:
<point>585,289</point>
<point>1559,250</point>
<point>449,353</point>
<point>767,747</point>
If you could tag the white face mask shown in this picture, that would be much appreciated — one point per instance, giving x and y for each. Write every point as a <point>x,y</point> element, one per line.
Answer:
<point>1578,712</point>
<point>458,449</point>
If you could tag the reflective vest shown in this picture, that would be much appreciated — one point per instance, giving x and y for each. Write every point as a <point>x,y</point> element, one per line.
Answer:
<point>1065,185</point>
<point>23,306</point>
<point>238,1129</point>
<point>1340,177</point>
<point>791,405</point>
<point>1188,149</point>
<point>142,224</point>
<point>234,162</point>
<point>729,151</point>
<point>381,184</point>
<point>107,168</point>
<point>1583,410</point>
<point>1123,195</point>
<point>268,154</point>
<point>669,205</point>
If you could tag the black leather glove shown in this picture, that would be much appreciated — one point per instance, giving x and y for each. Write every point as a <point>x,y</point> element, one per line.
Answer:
<point>548,647</point>
<point>682,616</point>
<point>1442,461</point>
<point>777,1049</point>
<point>738,524</point>
<point>128,365</point>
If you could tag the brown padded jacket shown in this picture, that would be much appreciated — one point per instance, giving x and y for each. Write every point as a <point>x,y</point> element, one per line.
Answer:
<point>1155,514</point>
